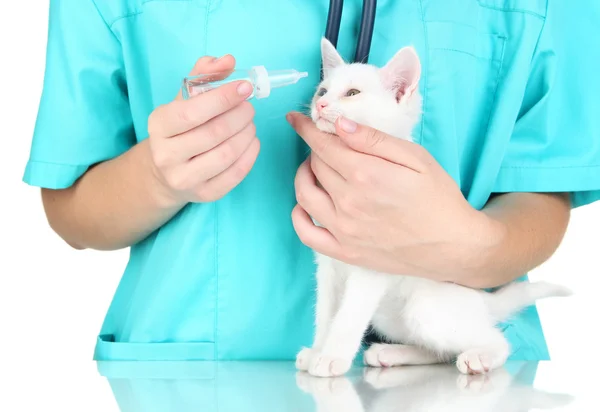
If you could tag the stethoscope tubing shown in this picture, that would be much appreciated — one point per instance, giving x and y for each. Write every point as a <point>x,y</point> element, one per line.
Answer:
<point>367,25</point>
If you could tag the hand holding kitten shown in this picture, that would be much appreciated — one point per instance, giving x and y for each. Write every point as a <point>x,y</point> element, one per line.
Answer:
<point>385,204</point>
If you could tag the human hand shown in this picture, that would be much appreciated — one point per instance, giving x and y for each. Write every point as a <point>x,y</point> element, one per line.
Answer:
<point>385,204</point>
<point>203,147</point>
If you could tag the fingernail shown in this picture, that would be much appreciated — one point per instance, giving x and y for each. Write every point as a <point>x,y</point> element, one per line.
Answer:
<point>289,118</point>
<point>244,89</point>
<point>348,125</point>
<point>218,58</point>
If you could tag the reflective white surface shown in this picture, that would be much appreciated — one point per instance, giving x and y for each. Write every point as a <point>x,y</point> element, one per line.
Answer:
<point>68,385</point>
<point>277,386</point>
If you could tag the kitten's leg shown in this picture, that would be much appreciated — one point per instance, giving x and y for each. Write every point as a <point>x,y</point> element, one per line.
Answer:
<point>459,325</point>
<point>327,302</point>
<point>360,300</point>
<point>489,351</point>
<point>385,355</point>
<point>480,346</point>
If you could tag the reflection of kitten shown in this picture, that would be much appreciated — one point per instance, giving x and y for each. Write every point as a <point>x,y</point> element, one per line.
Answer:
<point>428,388</point>
<point>435,321</point>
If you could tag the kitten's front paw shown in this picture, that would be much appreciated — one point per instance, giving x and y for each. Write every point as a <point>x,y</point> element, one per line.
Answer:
<point>303,359</point>
<point>376,356</point>
<point>327,366</point>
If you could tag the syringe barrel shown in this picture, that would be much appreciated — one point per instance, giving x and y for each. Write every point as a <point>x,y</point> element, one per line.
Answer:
<point>198,84</point>
<point>262,81</point>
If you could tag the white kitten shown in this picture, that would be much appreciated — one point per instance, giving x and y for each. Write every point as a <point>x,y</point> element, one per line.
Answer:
<point>386,99</point>
<point>434,321</point>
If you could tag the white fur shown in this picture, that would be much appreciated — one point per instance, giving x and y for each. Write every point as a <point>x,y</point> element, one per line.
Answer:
<point>434,321</point>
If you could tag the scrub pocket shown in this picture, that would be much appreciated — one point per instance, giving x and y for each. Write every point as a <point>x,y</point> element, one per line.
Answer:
<point>463,70</point>
<point>108,349</point>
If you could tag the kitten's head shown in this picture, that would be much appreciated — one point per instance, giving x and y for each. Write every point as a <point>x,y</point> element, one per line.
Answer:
<point>384,98</point>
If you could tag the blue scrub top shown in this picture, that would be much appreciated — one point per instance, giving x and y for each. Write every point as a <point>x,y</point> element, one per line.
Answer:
<point>510,105</point>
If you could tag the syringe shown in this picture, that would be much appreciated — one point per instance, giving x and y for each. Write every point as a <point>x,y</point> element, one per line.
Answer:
<point>262,80</point>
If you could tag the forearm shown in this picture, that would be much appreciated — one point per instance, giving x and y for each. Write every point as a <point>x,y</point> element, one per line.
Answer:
<point>113,205</point>
<point>527,230</point>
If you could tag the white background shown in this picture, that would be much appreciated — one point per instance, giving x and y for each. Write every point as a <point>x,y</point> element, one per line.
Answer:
<point>53,299</point>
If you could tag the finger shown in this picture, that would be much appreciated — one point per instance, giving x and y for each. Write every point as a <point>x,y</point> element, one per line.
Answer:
<point>329,179</point>
<point>180,116</point>
<point>312,198</point>
<point>317,238</point>
<point>209,67</point>
<point>222,157</point>
<point>375,143</point>
<point>327,146</point>
<point>211,134</point>
<point>220,185</point>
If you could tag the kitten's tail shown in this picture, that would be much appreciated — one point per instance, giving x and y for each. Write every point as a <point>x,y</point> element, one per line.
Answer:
<point>510,299</point>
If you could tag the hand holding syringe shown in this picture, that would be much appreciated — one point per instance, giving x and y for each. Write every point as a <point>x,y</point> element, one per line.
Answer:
<point>203,147</point>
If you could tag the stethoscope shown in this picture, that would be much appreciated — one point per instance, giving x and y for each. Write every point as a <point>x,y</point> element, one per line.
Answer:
<point>363,46</point>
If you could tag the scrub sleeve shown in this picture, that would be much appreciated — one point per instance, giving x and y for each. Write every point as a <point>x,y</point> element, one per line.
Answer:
<point>555,146</point>
<point>84,116</point>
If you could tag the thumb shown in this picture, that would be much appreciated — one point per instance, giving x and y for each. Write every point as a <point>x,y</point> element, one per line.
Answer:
<point>373,142</point>
<point>213,68</point>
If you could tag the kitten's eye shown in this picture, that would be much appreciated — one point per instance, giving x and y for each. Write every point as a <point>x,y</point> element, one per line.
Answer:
<point>352,92</point>
<point>321,92</point>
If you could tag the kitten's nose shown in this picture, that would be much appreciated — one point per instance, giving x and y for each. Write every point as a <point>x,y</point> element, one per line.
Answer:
<point>321,105</point>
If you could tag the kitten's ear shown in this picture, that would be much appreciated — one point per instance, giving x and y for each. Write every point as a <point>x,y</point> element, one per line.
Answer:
<point>402,73</point>
<point>331,57</point>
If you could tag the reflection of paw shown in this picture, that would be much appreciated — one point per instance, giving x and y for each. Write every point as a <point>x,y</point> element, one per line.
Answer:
<point>473,362</point>
<point>377,357</point>
<point>327,366</point>
<point>382,378</point>
<point>496,380</point>
<point>373,376</point>
<point>303,359</point>
<point>472,383</point>
<point>322,386</point>
<point>304,381</point>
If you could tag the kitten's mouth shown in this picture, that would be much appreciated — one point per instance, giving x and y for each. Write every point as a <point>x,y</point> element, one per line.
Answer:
<point>325,125</point>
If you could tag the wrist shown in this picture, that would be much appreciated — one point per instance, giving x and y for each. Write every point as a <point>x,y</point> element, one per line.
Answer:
<point>481,256</point>
<point>159,192</point>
